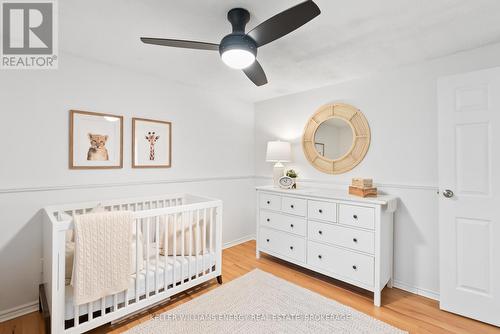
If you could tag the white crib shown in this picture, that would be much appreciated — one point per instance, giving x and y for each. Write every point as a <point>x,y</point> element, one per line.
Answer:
<point>160,277</point>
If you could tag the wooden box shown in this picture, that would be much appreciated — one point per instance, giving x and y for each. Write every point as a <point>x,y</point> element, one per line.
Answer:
<point>360,182</point>
<point>363,192</point>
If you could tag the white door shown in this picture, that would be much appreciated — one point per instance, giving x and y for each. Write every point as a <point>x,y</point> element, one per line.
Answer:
<point>469,203</point>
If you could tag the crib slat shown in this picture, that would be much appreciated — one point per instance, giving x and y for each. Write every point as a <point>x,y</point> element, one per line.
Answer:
<point>190,254</point>
<point>115,302</point>
<point>165,252</point>
<point>210,244</point>
<point>77,315</point>
<point>137,245</point>
<point>174,252</point>
<point>197,243</point>
<point>91,311</point>
<point>103,306</point>
<point>183,245</point>
<point>147,257</point>
<point>157,250</point>
<point>204,239</point>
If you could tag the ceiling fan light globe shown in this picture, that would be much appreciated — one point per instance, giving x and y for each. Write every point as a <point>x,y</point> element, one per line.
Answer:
<point>238,58</point>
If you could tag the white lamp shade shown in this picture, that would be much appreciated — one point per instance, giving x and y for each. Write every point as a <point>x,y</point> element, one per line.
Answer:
<point>278,151</point>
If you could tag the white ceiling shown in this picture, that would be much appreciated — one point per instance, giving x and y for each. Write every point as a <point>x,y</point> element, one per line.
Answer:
<point>349,39</point>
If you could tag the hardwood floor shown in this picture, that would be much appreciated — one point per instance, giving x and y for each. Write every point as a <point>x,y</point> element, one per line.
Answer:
<point>404,310</point>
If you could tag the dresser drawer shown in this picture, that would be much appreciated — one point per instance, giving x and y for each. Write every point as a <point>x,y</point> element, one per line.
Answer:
<point>282,243</point>
<point>342,236</point>
<point>358,216</point>
<point>294,206</point>
<point>352,265</point>
<point>272,202</point>
<point>322,210</point>
<point>291,224</point>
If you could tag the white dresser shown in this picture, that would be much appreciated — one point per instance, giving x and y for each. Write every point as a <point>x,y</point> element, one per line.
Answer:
<point>345,237</point>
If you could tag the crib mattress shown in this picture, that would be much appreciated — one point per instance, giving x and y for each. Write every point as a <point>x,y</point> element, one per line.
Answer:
<point>184,266</point>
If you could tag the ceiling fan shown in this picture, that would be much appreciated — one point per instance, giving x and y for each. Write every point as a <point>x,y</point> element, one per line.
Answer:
<point>238,50</point>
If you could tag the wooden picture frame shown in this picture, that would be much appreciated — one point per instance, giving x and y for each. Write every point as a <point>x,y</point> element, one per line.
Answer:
<point>84,154</point>
<point>159,143</point>
<point>320,148</point>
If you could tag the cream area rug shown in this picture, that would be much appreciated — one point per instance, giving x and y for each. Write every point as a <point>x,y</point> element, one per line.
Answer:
<point>259,302</point>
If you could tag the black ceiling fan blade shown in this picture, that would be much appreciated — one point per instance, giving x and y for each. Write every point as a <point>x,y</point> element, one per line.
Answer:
<point>255,73</point>
<point>179,43</point>
<point>285,22</point>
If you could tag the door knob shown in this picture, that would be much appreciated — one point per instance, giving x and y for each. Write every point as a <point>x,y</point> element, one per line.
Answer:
<point>448,193</point>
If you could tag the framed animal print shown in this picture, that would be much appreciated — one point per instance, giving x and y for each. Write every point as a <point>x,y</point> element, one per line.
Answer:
<point>95,140</point>
<point>151,143</point>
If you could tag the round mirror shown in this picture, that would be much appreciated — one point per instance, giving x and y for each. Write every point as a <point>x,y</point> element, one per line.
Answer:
<point>336,138</point>
<point>333,138</point>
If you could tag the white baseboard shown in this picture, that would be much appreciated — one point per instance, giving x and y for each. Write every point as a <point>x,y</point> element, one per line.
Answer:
<point>18,311</point>
<point>238,241</point>
<point>416,290</point>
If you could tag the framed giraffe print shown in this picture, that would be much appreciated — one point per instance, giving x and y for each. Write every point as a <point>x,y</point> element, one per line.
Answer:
<point>95,140</point>
<point>151,143</point>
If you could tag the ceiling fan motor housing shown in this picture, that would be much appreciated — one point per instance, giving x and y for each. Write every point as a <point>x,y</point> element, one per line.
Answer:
<point>238,41</point>
<point>238,17</point>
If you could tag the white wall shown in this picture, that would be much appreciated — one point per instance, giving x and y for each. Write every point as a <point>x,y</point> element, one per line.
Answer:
<point>401,108</point>
<point>213,145</point>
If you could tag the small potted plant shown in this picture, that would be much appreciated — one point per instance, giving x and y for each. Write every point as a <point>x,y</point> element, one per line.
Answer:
<point>292,174</point>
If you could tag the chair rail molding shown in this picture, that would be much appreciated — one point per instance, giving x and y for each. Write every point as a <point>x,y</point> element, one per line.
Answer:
<point>122,184</point>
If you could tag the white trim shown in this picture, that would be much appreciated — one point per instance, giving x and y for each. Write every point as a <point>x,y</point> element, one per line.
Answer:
<point>199,179</point>
<point>238,241</point>
<point>416,290</point>
<point>18,311</point>
<point>378,184</point>
<point>123,184</point>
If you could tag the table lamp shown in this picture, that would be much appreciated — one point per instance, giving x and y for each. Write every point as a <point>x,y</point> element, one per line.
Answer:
<point>279,152</point>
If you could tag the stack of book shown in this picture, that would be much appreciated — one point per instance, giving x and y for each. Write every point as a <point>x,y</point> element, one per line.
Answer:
<point>362,187</point>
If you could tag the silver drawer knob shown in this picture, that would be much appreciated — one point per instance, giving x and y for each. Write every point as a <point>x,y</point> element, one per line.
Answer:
<point>448,193</point>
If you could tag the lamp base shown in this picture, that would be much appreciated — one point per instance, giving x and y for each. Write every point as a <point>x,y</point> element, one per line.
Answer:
<point>278,172</point>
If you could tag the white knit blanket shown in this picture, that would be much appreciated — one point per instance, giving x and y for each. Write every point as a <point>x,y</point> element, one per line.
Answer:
<point>102,255</point>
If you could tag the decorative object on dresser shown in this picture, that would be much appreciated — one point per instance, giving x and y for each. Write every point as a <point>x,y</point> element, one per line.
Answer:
<point>361,182</point>
<point>292,174</point>
<point>328,231</point>
<point>278,152</point>
<point>362,187</point>
<point>336,138</point>
<point>95,140</point>
<point>286,182</point>
<point>151,143</point>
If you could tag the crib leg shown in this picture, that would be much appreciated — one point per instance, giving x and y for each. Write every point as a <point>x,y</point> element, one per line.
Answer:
<point>219,279</point>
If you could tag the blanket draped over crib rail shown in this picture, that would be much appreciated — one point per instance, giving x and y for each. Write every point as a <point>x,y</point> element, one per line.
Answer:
<point>102,254</point>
